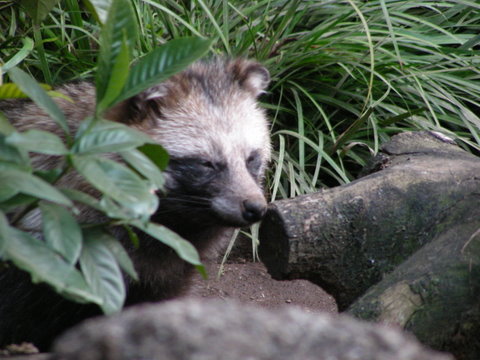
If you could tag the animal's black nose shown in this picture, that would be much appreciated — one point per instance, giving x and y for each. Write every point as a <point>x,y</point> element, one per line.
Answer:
<point>253,210</point>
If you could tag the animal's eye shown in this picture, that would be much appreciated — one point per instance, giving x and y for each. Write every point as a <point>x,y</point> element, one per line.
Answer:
<point>254,162</point>
<point>208,165</point>
<point>254,157</point>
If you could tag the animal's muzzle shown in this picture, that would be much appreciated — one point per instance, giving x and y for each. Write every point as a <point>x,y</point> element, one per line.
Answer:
<point>253,210</point>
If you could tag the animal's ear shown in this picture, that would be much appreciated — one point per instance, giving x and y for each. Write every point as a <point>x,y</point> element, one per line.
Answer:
<point>251,75</point>
<point>139,107</point>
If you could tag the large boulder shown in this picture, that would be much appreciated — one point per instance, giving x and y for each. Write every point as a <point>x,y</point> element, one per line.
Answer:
<point>200,330</point>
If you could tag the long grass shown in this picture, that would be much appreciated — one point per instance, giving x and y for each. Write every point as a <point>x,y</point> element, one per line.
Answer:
<point>346,75</point>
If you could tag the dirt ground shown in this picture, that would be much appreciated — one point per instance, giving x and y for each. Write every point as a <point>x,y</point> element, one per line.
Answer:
<point>249,282</point>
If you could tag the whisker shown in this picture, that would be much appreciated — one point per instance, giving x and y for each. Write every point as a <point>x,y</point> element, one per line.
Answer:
<point>189,200</point>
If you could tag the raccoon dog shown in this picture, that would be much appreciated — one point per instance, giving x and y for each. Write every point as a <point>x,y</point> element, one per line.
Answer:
<point>208,119</point>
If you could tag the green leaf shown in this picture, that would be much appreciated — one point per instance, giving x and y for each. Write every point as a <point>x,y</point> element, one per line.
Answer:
<point>182,247</point>
<point>106,136</point>
<point>61,231</point>
<point>50,176</point>
<point>105,205</point>
<point>20,55</point>
<point>38,9</point>
<point>119,30</point>
<point>114,210</point>
<point>81,197</point>
<point>38,141</point>
<point>163,62</point>
<point>13,91</point>
<point>29,86</point>
<point>5,127</point>
<point>99,9</point>
<point>7,191</point>
<point>14,202</point>
<point>474,40</point>
<point>102,272</point>
<point>137,160</point>
<point>35,257</point>
<point>118,77</point>
<point>352,129</point>
<point>29,184</point>
<point>12,154</point>
<point>5,237</point>
<point>157,154</point>
<point>405,115</point>
<point>132,235</point>
<point>118,252</point>
<point>119,183</point>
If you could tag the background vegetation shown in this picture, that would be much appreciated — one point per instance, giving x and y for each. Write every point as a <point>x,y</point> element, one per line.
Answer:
<point>346,75</point>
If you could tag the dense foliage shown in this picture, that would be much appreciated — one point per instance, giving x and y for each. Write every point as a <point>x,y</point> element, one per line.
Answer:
<point>346,75</point>
<point>82,261</point>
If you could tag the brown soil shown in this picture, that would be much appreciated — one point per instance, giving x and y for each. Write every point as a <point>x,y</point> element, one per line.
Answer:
<point>250,282</point>
<point>247,281</point>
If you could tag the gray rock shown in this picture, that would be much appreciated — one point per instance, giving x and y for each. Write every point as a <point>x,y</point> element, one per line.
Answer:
<point>208,330</point>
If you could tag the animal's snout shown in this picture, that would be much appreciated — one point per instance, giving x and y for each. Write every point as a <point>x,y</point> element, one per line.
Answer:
<point>253,210</point>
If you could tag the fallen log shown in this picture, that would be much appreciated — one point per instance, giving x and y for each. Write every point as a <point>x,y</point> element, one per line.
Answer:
<point>435,293</point>
<point>346,239</point>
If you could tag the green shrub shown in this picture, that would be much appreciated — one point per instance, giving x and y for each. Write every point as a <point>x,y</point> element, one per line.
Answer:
<point>83,261</point>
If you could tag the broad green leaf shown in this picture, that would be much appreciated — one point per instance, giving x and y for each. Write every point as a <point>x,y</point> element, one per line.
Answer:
<point>118,251</point>
<point>99,9</point>
<point>29,184</point>
<point>7,191</point>
<point>121,25</point>
<point>20,55</point>
<point>18,200</point>
<point>163,62</point>
<point>132,235</point>
<point>13,91</point>
<point>118,77</point>
<point>85,126</point>
<point>44,265</point>
<point>137,160</point>
<point>119,183</point>
<point>122,257</point>
<point>105,205</point>
<point>38,9</point>
<point>29,86</point>
<point>49,176</point>
<point>182,247</point>
<point>5,237</point>
<point>81,197</point>
<point>102,272</point>
<point>157,154</point>
<point>106,136</point>
<point>61,231</point>
<point>38,141</point>
<point>12,154</point>
<point>5,127</point>
<point>116,211</point>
